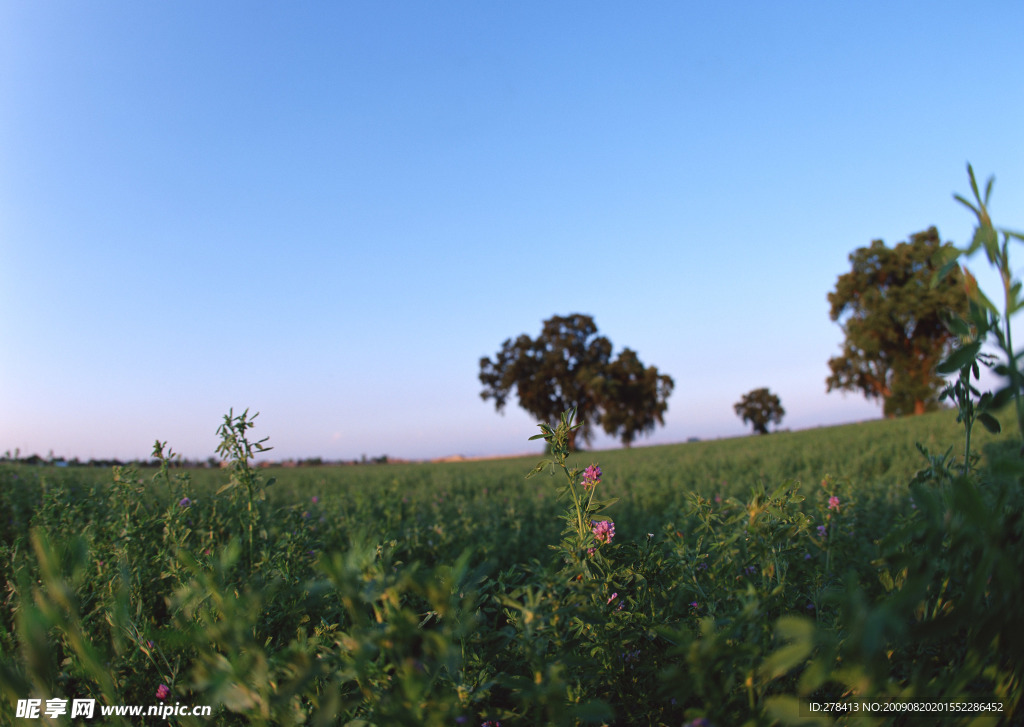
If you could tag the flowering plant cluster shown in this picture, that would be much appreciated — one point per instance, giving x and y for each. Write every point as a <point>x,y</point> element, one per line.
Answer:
<point>581,486</point>
<point>604,530</point>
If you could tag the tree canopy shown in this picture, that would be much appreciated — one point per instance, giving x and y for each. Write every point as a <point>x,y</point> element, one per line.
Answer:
<point>760,408</point>
<point>893,320</point>
<point>569,365</point>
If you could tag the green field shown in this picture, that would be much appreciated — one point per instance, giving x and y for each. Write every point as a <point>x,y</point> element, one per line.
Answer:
<point>734,590</point>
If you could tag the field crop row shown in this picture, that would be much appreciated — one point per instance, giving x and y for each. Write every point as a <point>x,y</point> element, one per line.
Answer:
<point>741,580</point>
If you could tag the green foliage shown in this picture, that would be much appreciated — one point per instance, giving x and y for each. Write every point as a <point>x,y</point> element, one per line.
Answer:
<point>985,319</point>
<point>245,483</point>
<point>892,317</point>
<point>760,408</point>
<point>422,594</point>
<point>569,366</point>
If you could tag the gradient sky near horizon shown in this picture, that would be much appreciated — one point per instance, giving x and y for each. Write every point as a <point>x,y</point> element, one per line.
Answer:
<point>329,212</point>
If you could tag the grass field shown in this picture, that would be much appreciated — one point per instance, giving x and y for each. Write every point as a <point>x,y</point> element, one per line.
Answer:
<point>746,578</point>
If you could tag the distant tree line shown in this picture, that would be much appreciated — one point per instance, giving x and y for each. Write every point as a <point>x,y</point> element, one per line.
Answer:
<point>182,462</point>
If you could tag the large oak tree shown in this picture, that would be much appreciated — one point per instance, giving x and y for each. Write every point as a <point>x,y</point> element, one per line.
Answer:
<point>569,365</point>
<point>760,408</point>
<point>892,317</point>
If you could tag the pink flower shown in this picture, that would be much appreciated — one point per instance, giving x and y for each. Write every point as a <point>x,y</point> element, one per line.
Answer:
<point>604,530</point>
<point>162,691</point>
<point>833,503</point>
<point>613,597</point>
<point>591,476</point>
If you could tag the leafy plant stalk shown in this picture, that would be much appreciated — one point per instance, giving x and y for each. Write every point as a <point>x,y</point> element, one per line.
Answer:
<point>236,447</point>
<point>583,503</point>
<point>988,318</point>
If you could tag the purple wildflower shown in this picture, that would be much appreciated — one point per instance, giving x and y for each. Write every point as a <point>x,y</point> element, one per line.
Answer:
<point>822,531</point>
<point>613,597</point>
<point>184,502</point>
<point>604,530</point>
<point>591,476</point>
<point>833,503</point>
<point>162,691</point>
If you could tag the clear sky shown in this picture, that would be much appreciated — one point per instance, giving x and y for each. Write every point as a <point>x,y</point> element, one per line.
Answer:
<point>329,212</point>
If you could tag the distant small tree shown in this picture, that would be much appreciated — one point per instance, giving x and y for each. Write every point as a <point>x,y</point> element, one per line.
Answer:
<point>760,408</point>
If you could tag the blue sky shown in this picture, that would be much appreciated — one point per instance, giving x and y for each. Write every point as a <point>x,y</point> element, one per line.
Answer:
<point>328,212</point>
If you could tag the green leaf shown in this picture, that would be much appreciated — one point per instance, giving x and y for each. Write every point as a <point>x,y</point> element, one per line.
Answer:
<point>800,633</point>
<point>789,710</point>
<point>985,235</point>
<point>957,326</point>
<point>974,182</point>
<point>794,627</point>
<point>967,204</point>
<point>961,357</point>
<point>989,422</point>
<point>540,467</point>
<point>598,506</point>
<point>942,272</point>
<point>1002,397</point>
<point>594,711</point>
